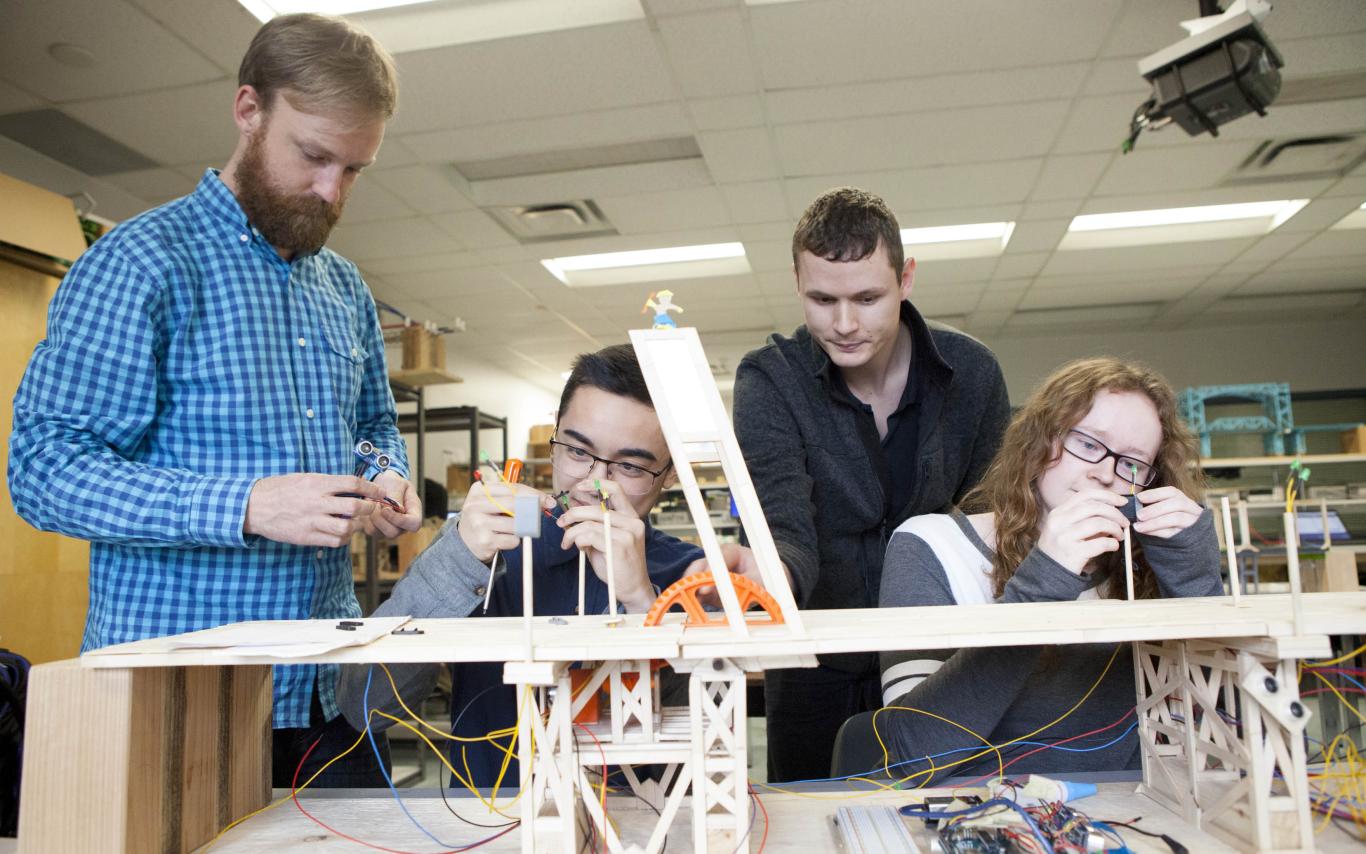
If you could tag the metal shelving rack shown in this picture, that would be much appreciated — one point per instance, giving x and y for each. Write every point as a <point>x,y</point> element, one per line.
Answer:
<point>421,422</point>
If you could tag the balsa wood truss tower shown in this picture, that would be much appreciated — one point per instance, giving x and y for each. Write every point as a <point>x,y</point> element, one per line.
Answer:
<point>702,747</point>
<point>172,733</point>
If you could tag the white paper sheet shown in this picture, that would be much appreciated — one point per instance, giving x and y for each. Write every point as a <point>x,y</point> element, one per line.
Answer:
<point>287,638</point>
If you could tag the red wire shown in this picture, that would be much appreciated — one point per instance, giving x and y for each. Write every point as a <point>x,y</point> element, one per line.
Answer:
<point>764,810</point>
<point>603,754</point>
<point>1054,744</point>
<point>294,795</point>
<point>1349,689</point>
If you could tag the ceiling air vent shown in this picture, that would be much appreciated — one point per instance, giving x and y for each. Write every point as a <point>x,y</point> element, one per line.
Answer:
<point>1328,156</point>
<point>553,221</point>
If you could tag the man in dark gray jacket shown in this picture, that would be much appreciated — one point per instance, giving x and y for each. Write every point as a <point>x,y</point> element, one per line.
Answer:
<point>866,416</point>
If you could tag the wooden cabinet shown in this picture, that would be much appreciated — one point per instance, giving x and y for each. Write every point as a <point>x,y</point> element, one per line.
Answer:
<point>44,577</point>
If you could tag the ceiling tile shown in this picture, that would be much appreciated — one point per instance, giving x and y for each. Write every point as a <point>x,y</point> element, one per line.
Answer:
<point>698,207</point>
<point>755,201</point>
<point>934,274</point>
<point>1343,244</point>
<point>132,52</point>
<point>1272,246</point>
<point>1291,283</point>
<point>1352,185</point>
<point>709,54</point>
<point>726,113</point>
<point>453,283</point>
<point>955,299</point>
<point>1100,123</point>
<point>1050,210</point>
<point>1069,176</point>
<point>591,183</point>
<point>1286,304</point>
<point>394,153</point>
<point>778,283</point>
<point>370,201</point>
<point>769,255</point>
<point>560,73</point>
<point>550,133</point>
<point>220,31</point>
<point>182,125</point>
<point>1146,257</point>
<point>1038,236</point>
<point>1320,18</point>
<point>426,188</point>
<point>154,185</point>
<point>430,263</point>
<point>920,94</point>
<point>1116,76</point>
<point>474,229</point>
<point>1218,196</point>
<point>1024,264</point>
<point>1154,290</point>
<point>14,100</point>
<point>906,38</point>
<point>1319,214</point>
<point>738,155</point>
<point>1151,170</point>
<point>923,139</point>
<point>928,189</point>
<point>391,239</point>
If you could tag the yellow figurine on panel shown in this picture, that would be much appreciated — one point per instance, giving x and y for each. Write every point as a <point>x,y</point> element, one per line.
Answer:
<point>663,303</point>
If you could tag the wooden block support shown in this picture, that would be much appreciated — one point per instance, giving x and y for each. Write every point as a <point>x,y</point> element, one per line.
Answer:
<point>142,760</point>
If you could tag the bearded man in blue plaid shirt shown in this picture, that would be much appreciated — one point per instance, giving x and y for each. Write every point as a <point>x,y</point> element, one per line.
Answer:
<point>207,370</point>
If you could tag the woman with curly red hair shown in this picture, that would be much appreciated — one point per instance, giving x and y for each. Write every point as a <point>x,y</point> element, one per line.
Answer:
<point>1055,504</point>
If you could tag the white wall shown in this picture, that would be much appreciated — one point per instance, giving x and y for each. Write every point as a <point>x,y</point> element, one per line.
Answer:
<point>1329,354</point>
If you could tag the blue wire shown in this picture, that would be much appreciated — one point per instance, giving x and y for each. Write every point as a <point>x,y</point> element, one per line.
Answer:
<point>370,732</point>
<point>1353,681</point>
<point>1109,743</point>
<point>911,812</point>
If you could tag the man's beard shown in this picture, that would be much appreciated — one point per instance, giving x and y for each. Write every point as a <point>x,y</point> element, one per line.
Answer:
<point>299,224</point>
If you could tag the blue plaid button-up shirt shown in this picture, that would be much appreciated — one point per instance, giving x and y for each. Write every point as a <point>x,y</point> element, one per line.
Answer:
<point>184,360</point>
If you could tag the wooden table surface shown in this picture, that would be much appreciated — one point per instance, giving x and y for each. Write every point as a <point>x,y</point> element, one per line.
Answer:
<point>796,823</point>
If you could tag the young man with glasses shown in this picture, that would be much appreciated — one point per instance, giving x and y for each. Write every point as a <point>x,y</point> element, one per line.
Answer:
<point>606,434</point>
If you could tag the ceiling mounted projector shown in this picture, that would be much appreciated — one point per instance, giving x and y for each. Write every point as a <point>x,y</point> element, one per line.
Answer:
<point>1224,69</point>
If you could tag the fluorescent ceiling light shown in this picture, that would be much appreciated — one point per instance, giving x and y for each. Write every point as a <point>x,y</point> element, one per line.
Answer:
<point>1178,225</point>
<point>974,240</point>
<point>1355,219</point>
<point>649,265</point>
<point>264,10</point>
<point>409,25</point>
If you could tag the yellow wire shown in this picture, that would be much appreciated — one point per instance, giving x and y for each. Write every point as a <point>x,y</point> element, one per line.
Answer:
<point>1331,687</point>
<point>884,787</point>
<point>489,737</point>
<point>886,755</point>
<point>500,508</point>
<point>289,797</point>
<point>1025,737</point>
<point>1341,658</point>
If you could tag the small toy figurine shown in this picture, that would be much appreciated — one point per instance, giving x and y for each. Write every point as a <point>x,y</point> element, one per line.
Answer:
<point>663,303</point>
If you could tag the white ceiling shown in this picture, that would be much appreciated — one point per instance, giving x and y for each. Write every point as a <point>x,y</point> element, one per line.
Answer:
<point>966,111</point>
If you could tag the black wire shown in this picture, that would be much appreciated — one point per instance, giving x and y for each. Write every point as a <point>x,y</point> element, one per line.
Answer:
<point>1349,829</point>
<point>665,845</point>
<point>441,783</point>
<point>1176,847</point>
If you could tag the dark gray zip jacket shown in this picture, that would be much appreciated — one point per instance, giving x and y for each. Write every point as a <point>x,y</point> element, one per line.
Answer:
<point>817,463</point>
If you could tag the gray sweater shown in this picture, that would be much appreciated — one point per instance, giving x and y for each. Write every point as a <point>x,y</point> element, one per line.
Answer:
<point>816,460</point>
<point>1006,693</point>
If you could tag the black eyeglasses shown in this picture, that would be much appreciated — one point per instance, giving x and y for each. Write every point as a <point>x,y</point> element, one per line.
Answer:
<point>1092,450</point>
<point>576,463</point>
